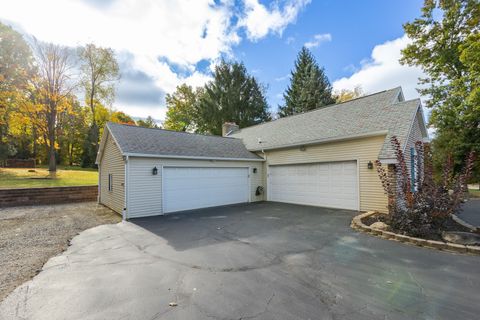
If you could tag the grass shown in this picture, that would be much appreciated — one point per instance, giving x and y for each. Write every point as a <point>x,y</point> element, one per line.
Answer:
<point>65,176</point>
<point>474,193</point>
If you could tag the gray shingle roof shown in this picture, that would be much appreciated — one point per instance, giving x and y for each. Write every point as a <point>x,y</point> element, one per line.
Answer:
<point>380,112</point>
<point>139,140</point>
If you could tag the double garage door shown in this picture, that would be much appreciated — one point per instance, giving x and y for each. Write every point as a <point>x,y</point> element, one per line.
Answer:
<point>333,184</point>
<point>186,188</point>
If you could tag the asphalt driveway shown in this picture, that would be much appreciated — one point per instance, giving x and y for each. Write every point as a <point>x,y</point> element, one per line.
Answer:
<point>257,261</point>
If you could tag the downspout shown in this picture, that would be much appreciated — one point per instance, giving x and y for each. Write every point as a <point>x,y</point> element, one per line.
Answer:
<point>265,198</point>
<point>125,184</point>
<point>99,183</point>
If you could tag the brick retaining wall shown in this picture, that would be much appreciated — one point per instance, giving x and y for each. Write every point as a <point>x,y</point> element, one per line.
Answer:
<point>52,195</point>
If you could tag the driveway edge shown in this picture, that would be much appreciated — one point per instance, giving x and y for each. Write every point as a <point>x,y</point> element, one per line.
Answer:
<point>460,221</point>
<point>358,225</point>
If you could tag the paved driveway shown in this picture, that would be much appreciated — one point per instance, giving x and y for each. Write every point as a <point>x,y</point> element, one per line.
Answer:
<point>471,212</point>
<point>257,261</point>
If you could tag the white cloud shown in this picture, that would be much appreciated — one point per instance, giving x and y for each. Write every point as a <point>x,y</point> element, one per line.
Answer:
<point>282,78</point>
<point>384,71</point>
<point>259,20</point>
<point>318,39</point>
<point>163,39</point>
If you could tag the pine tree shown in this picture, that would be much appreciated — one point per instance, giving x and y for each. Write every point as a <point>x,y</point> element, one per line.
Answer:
<point>232,95</point>
<point>309,86</point>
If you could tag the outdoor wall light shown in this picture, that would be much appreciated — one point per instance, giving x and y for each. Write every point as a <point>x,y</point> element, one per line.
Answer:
<point>254,170</point>
<point>370,165</point>
<point>154,171</point>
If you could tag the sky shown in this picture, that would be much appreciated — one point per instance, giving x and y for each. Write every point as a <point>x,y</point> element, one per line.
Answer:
<point>161,44</point>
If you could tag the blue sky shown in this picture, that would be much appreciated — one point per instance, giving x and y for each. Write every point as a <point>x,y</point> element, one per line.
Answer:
<point>356,27</point>
<point>161,44</point>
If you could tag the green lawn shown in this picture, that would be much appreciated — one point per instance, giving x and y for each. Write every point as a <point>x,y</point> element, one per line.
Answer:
<point>41,177</point>
<point>474,193</point>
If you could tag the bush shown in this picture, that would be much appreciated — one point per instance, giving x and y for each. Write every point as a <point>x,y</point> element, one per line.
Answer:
<point>427,209</point>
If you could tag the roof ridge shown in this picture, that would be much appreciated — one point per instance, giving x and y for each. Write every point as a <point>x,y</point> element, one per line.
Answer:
<point>168,130</point>
<point>319,108</point>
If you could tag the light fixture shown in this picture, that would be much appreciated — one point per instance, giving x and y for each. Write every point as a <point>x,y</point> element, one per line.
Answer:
<point>370,165</point>
<point>254,170</point>
<point>154,171</point>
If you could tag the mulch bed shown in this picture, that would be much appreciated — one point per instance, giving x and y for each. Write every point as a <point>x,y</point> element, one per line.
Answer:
<point>450,225</point>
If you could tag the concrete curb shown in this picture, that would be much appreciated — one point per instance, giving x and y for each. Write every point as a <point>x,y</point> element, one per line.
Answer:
<point>465,224</point>
<point>357,224</point>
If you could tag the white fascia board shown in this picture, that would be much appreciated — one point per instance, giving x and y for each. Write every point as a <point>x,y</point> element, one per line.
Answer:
<point>388,161</point>
<point>144,155</point>
<point>320,141</point>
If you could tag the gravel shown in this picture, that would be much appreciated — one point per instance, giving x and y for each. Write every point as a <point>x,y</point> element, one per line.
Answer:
<point>29,236</point>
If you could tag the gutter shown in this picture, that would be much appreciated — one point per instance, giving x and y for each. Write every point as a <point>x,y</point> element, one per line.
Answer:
<point>146,155</point>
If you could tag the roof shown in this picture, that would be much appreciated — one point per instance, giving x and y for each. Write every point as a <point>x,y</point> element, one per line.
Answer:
<point>140,141</point>
<point>381,113</point>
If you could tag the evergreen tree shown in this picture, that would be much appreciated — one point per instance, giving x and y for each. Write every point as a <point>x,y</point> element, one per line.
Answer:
<point>233,95</point>
<point>309,86</point>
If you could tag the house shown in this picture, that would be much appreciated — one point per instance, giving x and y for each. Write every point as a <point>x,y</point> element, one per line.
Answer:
<point>322,157</point>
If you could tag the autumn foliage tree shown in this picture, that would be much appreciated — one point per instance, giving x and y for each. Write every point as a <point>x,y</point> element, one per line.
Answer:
<point>53,86</point>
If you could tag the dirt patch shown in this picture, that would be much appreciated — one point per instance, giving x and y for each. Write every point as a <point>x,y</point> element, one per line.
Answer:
<point>29,236</point>
<point>450,225</point>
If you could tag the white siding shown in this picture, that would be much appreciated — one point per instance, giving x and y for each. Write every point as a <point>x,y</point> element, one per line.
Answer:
<point>112,163</point>
<point>145,189</point>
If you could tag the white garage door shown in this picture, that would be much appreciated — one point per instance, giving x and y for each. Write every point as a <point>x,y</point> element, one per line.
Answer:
<point>193,188</point>
<point>332,184</point>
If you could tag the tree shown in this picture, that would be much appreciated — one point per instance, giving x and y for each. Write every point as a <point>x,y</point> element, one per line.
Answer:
<point>447,49</point>
<point>16,70</point>
<point>233,95</point>
<point>181,108</point>
<point>149,122</point>
<point>53,87</point>
<point>122,117</point>
<point>99,72</point>
<point>74,124</point>
<point>309,86</point>
<point>346,95</point>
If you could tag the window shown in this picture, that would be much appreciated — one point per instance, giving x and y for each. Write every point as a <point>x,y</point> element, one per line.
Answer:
<point>412,169</point>
<point>110,182</point>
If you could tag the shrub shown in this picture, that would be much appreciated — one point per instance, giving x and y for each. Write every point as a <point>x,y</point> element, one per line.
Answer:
<point>426,209</point>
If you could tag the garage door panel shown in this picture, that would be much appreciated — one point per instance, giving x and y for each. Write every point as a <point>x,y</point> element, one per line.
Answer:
<point>186,188</point>
<point>322,184</point>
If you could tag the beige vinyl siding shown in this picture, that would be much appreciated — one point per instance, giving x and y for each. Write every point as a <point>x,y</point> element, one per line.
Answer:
<point>364,150</point>
<point>112,163</point>
<point>145,190</point>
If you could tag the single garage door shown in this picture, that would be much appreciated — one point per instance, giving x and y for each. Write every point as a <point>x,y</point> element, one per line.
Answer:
<point>186,188</point>
<point>332,184</point>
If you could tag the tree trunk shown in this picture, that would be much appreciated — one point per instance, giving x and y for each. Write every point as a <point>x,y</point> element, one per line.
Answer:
<point>52,163</point>
<point>35,145</point>
<point>70,154</point>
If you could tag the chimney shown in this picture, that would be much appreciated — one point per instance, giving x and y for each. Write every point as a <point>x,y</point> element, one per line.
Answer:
<point>229,128</point>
